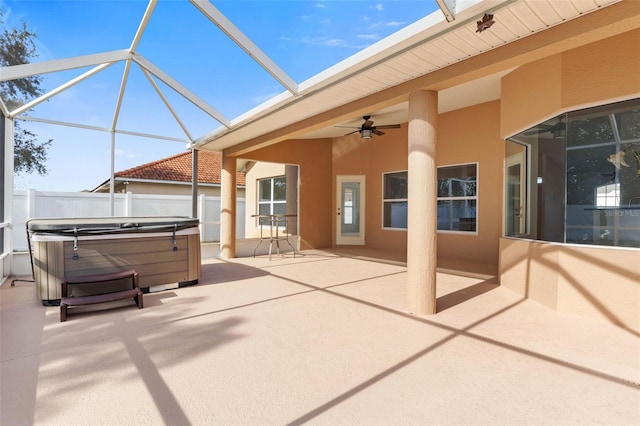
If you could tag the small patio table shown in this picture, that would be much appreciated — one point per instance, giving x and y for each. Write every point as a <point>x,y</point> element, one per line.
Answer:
<point>274,221</point>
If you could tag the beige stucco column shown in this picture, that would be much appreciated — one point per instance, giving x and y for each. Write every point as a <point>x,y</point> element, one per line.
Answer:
<point>291,175</point>
<point>228,207</point>
<point>422,211</point>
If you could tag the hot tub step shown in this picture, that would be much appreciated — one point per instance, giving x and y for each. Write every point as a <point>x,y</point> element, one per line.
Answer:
<point>135,292</point>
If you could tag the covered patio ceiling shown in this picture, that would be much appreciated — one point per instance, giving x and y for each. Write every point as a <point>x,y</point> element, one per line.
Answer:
<point>445,37</point>
<point>427,46</point>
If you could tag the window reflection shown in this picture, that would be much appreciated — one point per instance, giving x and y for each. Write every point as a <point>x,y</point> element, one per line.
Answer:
<point>394,200</point>
<point>594,166</point>
<point>272,195</point>
<point>457,197</point>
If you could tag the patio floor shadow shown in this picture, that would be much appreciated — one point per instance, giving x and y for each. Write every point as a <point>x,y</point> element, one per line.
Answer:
<point>320,338</point>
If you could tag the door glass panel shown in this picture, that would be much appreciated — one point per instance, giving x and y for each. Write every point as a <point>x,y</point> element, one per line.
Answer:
<point>514,202</point>
<point>350,222</point>
<point>515,197</point>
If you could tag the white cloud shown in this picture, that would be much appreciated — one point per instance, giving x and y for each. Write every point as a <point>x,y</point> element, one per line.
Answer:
<point>393,24</point>
<point>368,36</point>
<point>386,24</point>
<point>257,100</point>
<point>321,5</point>
<point>335,42</point>
<point>324,41</point>
<point>378,7</point>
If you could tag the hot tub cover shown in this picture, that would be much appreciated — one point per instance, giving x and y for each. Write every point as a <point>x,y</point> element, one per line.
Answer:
<point>109,225</point>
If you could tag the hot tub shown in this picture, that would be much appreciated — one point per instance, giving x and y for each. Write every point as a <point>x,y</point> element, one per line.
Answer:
<point>165,251</point>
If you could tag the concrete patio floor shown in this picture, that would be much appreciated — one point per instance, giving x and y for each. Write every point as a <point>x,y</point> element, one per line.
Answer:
<point>321,338</point>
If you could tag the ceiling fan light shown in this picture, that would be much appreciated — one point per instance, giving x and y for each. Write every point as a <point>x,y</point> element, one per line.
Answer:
<point>366,133</point>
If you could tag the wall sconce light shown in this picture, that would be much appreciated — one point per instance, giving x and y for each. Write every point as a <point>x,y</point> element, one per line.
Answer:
<point>365,133</point>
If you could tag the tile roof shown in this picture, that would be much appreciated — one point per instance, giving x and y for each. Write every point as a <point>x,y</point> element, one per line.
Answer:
<point>177,168</point>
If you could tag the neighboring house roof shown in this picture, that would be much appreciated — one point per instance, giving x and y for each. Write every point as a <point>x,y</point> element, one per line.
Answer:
<point>177,168</point>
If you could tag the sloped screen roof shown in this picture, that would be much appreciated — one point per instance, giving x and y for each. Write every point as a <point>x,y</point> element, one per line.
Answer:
<point>175,70</point>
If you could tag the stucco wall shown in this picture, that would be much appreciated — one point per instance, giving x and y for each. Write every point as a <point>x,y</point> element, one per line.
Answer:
<point>465,136</point>
<point>598,73</point>
<point>371,158</point>
<point>530,94</point>
<point>589,281</point>
<point>313,156</point>
<point>606,70</point>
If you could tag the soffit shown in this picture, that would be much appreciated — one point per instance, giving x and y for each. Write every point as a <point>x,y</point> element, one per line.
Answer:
<point>429,45</point>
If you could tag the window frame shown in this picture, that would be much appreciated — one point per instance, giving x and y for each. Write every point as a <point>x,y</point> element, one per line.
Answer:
<point>476,198</point>
<point>597,197</point>
<point>391,200</point>
<point>271,202</point>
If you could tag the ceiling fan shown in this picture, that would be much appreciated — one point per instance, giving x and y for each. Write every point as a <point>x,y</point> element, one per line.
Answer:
<point>367,128</point>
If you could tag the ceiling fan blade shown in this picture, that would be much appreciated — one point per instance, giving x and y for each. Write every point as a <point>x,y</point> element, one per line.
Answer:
<point>389,126</point>
<point>350,133</point>
<point>538,131</point>
<point>546,128</point>
<point>349,127</point>
<point>367,123</point>
<point>377,132</point>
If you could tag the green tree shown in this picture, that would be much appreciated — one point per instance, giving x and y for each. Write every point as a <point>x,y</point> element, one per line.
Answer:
<point>17,46</point>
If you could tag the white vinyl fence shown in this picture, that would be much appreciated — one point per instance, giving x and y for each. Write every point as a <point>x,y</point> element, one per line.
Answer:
<point>37,204</point>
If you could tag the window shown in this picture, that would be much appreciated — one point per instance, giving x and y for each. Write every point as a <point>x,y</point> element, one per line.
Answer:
<point>457,197</point>
<point>394,200</point>
<point>581,179</point>
<point>272,195</point>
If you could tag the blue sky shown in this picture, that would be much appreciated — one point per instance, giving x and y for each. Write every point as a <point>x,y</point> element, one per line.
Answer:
<point>302,37</point>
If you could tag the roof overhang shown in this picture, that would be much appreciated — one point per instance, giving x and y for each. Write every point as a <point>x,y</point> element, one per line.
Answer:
<point>465,67</point>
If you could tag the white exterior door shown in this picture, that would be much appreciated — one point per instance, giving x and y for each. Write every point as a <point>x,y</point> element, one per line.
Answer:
<point>350,192</point>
